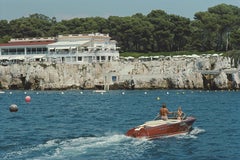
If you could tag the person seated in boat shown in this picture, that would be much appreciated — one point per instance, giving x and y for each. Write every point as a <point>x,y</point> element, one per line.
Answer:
<point>164,112</point>
<point>179,113</point>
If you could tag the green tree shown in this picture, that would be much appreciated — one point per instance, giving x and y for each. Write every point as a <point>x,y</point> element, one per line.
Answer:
<point>162,36</point>
<point>181,32</point>
<point>203,32</point>
<point>215,29</point>
<point>141,33</point>
<point>216,25</point>
<point>235,39</point>
<point>36,25</point>
<point>4,28</point>
<point>118,27</point>
<point>57,29</point>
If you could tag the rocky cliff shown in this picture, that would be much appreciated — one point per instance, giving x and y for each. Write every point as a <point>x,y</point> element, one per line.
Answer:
<point>179,72</point>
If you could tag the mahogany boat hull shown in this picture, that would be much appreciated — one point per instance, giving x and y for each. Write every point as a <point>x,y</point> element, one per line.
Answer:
<point>160,128</point>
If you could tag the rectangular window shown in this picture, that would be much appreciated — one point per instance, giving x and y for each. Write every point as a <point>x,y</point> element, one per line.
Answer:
<point>29,51</point>
<point>68,59</point>
<point>114,78</point>
<point>103,58</point>
<point>34,50</point>
<point>20,51</point>
<point>80,59</point>
<point>73,58</point>
<point>39,50</point>
<point>4,51</point>
<point>44,50</point>
<point>12,51</point>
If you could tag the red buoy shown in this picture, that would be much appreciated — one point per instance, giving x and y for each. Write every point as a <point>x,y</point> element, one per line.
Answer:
<point>27,99</point>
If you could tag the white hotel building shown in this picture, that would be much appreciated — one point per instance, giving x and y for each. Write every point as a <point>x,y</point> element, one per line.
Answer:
<point>74,49</point>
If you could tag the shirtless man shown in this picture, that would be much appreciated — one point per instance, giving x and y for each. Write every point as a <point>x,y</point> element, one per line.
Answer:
<point>164,112</point>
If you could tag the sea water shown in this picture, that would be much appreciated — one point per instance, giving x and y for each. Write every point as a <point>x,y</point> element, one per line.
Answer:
<point>83,125</point>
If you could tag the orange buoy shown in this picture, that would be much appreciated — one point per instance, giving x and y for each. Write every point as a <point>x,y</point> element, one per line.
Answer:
<point>27,99</point>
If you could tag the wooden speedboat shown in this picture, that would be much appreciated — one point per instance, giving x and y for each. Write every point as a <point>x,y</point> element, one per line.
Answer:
<point>161,128</point>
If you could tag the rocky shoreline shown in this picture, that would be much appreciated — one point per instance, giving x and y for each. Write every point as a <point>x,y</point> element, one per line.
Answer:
<point>213,72</point>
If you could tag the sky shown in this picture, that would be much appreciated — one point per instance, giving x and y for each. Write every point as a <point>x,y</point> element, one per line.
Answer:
<point>68,9</point>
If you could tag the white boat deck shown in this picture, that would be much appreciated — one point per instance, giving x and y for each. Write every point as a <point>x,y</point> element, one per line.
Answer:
<point>160,122</point>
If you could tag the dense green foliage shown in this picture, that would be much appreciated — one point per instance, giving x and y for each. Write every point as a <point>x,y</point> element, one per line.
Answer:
<point>214,30</point>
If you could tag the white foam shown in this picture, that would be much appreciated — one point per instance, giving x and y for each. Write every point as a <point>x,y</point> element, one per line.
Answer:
<point>80,146</point>
<point>197,130</point>
<point>192,135</point>
<point>106,145</point>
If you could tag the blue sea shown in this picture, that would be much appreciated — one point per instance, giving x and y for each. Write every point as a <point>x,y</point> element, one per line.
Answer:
<point>83,125</point>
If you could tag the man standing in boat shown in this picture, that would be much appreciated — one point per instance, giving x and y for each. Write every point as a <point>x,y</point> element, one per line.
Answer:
<point>164,112</point>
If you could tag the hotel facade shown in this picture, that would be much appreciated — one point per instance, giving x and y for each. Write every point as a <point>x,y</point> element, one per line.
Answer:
<point>72,49</point>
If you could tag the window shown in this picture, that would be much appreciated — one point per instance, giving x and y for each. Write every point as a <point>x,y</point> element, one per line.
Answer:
<point>73,58</point>
<point>44,50</point>
<point>20,51</point>
<point>103,58</point>
<point>98,58</point>
<point>79,58</point>
<point>34,51</point>
<point>4,51</point>
<point>12,51</point>
<point>39,50</point>
<point>29,50</point>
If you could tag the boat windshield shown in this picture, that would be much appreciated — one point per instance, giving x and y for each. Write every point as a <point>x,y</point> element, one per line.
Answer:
<point>174,115</point>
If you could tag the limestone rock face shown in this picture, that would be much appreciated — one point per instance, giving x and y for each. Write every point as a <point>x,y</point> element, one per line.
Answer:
<point>206,72</point>
<point>221,81</point>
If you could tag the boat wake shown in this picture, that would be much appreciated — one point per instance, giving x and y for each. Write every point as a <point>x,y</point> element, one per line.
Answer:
<point>83,148</point>
<point>193,134</point>
<point>107,146</point>
<point>197,131</point>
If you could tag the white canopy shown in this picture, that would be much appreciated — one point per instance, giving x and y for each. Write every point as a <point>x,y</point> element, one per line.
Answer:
<point>66,45</point>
